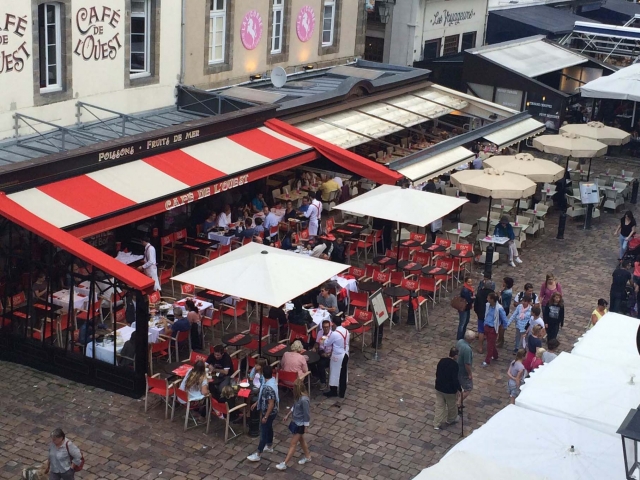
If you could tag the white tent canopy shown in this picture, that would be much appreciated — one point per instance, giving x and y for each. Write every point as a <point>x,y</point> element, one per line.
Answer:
<point>466,466</point>
<point>262,274</point>
<point>596,394</point>
<point>621,85</point>
<point>541,445</point>
<point>404,205</point>
<point>612,340</point>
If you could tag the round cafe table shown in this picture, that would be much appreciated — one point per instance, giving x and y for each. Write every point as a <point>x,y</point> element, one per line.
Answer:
<point>369,286</point>
<point>241,340</point>
<point>432,271</point>
<point>384,260</point>
<point>461,253</point>
<point>433,247</point>
<point>396,292</point>
<point>353,325</point>
<point>409,266</point>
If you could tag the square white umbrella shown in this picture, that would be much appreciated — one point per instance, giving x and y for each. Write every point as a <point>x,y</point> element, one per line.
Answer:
<point>593,393</point>
<point>404,205</point>
<point>258,273</point>
<point>550,447</point>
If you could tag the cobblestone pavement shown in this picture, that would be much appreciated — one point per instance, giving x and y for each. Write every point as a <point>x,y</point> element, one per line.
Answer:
<point>382,430</point>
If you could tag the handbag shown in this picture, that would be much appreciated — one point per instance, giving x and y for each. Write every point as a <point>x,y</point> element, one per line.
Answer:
<point>459,303</point>
<point>293,427</point>
<point>75,468</point>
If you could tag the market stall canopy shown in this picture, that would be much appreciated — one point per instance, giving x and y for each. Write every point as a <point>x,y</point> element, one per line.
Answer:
<point>593,393</point>
<point>404,205</point>
<point>621,85</point>
<point>525,164</point>
<point>493,183</point>
<point>465,466</point>
<point>613,340</point>
<point>543,446</point>
<point>437,164</point>
<point>262,274</point>
<point>515,133</point>
<point>598,131</point>
<point>569,145</point>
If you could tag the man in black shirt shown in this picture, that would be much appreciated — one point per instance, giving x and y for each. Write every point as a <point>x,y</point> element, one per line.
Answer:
<point>221,368</point>
<point>447,390</point>
<point>618,294</point>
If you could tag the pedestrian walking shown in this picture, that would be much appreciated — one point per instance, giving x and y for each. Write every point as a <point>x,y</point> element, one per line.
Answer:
<point>448,390</point>
<point>515,372</point>
<point>522,316</point>
<point>466,292</point>
<point>625,231</point>
<point>301,417</point>
<point>267,404</point>
<point>621,278</point>
<point>485,287</point>
<point>494,317</point>
<point>549,287</point>
<point>598,313</point>
<point>506,295</point>
<point>553,316</point>
<point>465,363</point>
<point>65,459</point>
<point>534,341</point>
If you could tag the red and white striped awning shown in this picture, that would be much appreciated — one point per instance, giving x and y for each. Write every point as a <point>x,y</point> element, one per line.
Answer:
<point>143,188</point>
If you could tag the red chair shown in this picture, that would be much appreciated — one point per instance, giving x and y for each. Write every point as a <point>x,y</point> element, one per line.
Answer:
<point>187,289</point>
<point>351,249</point>
<point>160,388</point>
<point>62,326</point>
<point>180,338</point>
<point>446,244</point>
<point>165,275</point>
<point>272,325</point>
<point>154,298</point>
<point>365,319</point>
<point>418,237</point>
<point>18,300</point>
<point>223,249</point>
<point>254,330</point>
<point>190,408</point>
<point>239,308</point>
<point>330,224</point>
<point>202,259</point>
<point>158,350</point>
<point>222,411</point>
<point>357,272</point>
<point>181,235</point>
<point>431,286</point>
<point>383,278</point>
<point>371,271</point>
<point>391,253</point>
<point>463,263</point>
<point>167,252</point>
<point>359,300</point>
<point>298,332</point>
<point>45,331</point>
<point>287,379</point>
<point>396,278</point>
<point>210,323</point>
<point>96,309</point>
<point>194,357</point>
<point>449,265</point>
<point>304,235</point>
<point>377,240</point>
<point>422,258</point>
<point>366,243</point>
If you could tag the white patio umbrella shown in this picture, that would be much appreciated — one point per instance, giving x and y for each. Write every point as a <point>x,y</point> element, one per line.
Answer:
<point>464,466</point>
<point>262,274</point>
<point>570,145</point>
<point>493,183</point>
<point>593,393</point>
<point>550,447</point>
<point>598,131</point>
<point>525,164</point>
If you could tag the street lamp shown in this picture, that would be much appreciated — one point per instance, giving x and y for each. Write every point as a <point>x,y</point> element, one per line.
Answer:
<point>385,10</point>
<point>630,433</point>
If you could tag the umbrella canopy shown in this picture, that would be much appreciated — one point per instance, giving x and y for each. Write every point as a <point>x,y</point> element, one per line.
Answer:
<point>569,145</point>
<point>404,205</point>
<point>493,183</point>
<point>541,445</point>
<point>593,393</point>
<point>262,274</point>
<point>465,466</point>
<point>525,164</point>
<point>620,85</point>
<point>598,131</point>
<point>612,340</point>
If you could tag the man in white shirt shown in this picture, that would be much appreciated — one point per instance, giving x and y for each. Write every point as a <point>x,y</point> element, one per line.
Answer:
<point>339,344</point>
<point>149,267</point>
<point>314,214</point>
<point>224,220</point>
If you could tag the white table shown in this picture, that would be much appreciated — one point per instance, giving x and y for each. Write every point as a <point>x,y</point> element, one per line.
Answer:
<point>462,233</point>
<point>202,305</point>
<point>128,257</point>
<point>495,240</point>
<point>319,315</point>
<point>220,237</point>
<point>104,351</point>
<point>350,284</point>
<point>80,300</point>
<point>155,330</point>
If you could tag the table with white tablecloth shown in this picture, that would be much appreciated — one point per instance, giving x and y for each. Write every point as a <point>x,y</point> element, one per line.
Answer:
<point>104,351</point>
<point>128,257</point>
<point>221,238</point>
<point>202,305</point>
<point>101,289</point>
<point>349,283</point>
<point>80,300</point>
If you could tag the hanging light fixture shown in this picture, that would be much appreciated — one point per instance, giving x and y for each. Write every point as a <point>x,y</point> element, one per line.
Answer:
<point>384,10</point>
<point>630,433</point>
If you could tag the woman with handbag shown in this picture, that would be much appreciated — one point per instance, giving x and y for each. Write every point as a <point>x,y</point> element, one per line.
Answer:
<point>299,422</point>
<point>65,459</point>
<point>463,304</point>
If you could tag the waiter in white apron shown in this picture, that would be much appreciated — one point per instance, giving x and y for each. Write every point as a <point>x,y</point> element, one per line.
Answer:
<point>338,341</point>
<point>149,267</point>
<point>314,214</point>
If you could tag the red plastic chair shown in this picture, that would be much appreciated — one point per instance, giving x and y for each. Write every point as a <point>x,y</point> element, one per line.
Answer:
<point>396,278</point>
<point>223,249</point>
<point>239,308</point>
<point>366,243</point>
<point>298,332</point>
<point>446,244</point>
<point>190,408</point>
<point>431,286</point>
<point>187,289</point>
<point>158,350</point>
<point>383,278</point>
<point>330,224</point>
<point>418,237</point>
<point>287,379</point>
<point>449,265</point>
<point>97,312</point>
<point>165,275</point>
<point>391,253</point>
<point>272,325</point>
<point>194,357</point>
<point>371,271</point>
<point>365,319</point>
<point>463,263</point>
<point>210,323</point>
<point>359,300</point>
<point>222,411</point>
<point>422,258</point>
<point>180,338</point>
<point>160,388</point>
<point>357,272</point>
<point>167,252</point>
<point>254,330</point>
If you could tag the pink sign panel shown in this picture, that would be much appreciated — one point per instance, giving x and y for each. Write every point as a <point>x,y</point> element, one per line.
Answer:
<point>251,29</point>
<point>305,23</point>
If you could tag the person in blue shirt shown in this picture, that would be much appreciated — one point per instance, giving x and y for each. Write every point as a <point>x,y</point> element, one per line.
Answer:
<point>180,324</point>
<point>248,231</point>
<point>504,229</point>
<point>494,318</point>
<point>305,205</point>
<point>258,203</point>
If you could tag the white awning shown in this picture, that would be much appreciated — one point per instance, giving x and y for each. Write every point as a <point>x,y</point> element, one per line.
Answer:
<point>514,133</point>
<point>531,57</point>
<point>382,118</point>
<point>437,165</point>
<point>621,85</point>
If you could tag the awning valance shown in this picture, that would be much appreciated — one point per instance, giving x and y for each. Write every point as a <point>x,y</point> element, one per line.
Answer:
<point>128,192</point>
<point>24,218</point>
<point>514,133</point>
<point>437,164</point>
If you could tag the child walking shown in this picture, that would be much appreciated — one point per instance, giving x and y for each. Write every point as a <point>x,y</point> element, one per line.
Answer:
<point>515,372</point>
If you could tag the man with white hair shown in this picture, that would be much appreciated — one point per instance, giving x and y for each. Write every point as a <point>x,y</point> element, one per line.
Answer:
<point>465,362</point>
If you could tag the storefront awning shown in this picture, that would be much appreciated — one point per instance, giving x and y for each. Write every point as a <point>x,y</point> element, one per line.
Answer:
<point>437,164</point>
<point>24,218</point>
<point>132,191</point>
<point>375,120</point>
<point>514,133</point>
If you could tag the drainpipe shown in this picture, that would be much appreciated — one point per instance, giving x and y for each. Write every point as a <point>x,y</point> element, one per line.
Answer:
<point>486,24</point>
<point>182,43</point>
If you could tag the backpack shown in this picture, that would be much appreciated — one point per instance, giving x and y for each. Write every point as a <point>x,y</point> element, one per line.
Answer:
<point>76,468</point>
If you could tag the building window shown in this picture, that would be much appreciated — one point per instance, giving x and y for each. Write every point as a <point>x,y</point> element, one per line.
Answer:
<point>328,22</point>
<point>140,38</point>
<point>218,23</point>
<point>451,44</point>
<point>468,41</point>
<point>431,49</point>
<point>374,49</point>
<point>278,16</point>
<point>50,44</point>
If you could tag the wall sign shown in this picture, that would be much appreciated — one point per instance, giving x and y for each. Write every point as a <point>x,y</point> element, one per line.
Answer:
<point>251,29</point>
<point>13,47</point>
<point>97,27</point>
<point>305,23</point>
<point>447,18</point>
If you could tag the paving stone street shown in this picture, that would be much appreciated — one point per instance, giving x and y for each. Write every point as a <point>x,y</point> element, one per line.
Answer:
<point>381,430</point>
